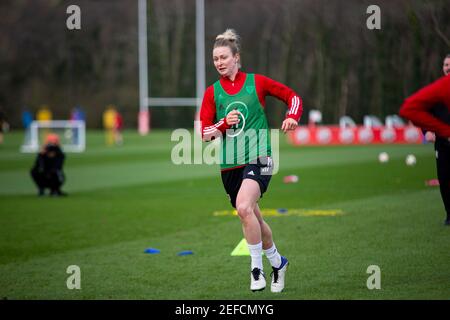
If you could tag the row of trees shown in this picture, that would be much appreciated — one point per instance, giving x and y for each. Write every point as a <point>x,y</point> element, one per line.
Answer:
<point>320,48</point>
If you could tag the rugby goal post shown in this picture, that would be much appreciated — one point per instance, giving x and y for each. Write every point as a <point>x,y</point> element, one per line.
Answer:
<point>145,101</point>
<point>71,133</point>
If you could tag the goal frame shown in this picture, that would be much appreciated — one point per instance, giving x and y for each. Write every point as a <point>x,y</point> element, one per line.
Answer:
<point>33,132</point>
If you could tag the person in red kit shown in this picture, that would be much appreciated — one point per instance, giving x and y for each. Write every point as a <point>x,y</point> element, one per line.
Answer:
<point>118,127</point>
<point>429,109</point>
<point>430,136</point>
<point>233,109</point>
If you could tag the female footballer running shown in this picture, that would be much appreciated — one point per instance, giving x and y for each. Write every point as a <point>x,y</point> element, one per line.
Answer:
<point>233,109</point>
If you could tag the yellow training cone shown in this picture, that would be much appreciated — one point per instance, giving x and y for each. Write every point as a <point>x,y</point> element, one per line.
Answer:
<point>241,249</point>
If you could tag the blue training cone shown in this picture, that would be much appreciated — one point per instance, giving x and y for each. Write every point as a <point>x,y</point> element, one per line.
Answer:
<point>185,253</point>
<point>152,251</point>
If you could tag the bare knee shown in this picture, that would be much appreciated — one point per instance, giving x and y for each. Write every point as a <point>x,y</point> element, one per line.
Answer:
<point>245,210</point>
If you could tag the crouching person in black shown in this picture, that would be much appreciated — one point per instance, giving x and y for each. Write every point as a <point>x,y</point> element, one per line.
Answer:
<point>47,171</point>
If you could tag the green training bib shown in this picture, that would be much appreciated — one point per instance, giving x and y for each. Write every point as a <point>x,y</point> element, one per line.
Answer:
<point>250,138</point>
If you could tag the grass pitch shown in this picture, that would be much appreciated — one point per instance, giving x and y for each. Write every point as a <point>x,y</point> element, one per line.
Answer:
<point>123,200</point>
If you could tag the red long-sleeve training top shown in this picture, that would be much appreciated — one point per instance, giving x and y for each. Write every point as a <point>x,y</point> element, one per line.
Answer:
<point>264,87</point>
<point>418,106</point>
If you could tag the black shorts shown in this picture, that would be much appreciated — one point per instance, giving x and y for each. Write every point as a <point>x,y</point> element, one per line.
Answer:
<point>261,172</point>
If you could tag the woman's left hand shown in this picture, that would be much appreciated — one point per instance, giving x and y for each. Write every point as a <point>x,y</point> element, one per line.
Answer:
<point>288,125</point>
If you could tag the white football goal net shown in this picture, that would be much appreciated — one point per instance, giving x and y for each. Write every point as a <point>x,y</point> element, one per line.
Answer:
<point>71,133</point>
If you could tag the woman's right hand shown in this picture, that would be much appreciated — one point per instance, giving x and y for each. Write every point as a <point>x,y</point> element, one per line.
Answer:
<point>232,118</point>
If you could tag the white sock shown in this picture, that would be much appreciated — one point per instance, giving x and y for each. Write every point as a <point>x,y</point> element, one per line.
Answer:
<point>256,254</point>
<point>273,256</point>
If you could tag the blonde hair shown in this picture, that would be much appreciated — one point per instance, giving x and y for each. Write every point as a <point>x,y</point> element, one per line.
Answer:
<point>229,39</point>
